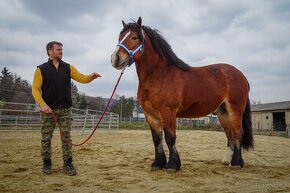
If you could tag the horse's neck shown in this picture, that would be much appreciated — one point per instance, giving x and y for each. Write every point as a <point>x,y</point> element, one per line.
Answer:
<point>151,67</point>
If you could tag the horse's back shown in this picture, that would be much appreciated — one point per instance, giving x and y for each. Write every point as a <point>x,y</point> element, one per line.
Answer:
<point>210,86</point>
<point>224,75</point>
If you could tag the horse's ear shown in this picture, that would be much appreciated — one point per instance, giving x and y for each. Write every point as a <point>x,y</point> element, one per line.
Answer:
<point>124,24</point>
<point>139,22</point>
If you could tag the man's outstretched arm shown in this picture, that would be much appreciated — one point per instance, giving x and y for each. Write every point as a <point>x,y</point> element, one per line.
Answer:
<point>79,77</point>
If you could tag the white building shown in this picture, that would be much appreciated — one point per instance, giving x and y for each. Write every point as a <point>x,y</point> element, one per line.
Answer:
<point>138,112</point>
<point>271,117</point>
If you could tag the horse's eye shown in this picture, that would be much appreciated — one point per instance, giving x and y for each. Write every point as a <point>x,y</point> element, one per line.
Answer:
<point>134,38</point>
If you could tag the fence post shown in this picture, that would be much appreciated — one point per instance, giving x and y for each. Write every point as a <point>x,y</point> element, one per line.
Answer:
<point>288,130</point>
<point>117,123</point>
<point>110,120</point>
<point>16,121</point>
<point>93,126</point>
<point>190,123</point>
<point>26,114</point>
<point>84,126</point>
<point>0,115</point>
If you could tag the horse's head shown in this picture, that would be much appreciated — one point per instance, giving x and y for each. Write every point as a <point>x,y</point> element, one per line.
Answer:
<point>130,46</point>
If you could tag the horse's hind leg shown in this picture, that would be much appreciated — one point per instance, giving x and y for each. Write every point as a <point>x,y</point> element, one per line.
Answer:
<point>237,160</point>
<point>156,131</point>
<point>223,119</point>
<point>231,120</point>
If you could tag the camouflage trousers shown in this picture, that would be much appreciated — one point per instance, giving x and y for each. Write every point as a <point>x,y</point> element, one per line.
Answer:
<point>47,128</point>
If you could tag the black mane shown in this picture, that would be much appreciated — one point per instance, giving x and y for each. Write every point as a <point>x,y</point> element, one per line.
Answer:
<point>160,45</point>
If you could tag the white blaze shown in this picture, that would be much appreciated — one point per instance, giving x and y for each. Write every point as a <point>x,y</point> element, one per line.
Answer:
<point>127,34</point>
<point>114,55</point>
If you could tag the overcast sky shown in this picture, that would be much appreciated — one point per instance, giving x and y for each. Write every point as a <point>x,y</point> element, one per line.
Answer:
<point>252,35</point>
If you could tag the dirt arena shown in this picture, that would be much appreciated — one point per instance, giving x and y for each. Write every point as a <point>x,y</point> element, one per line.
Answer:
<point>120,162</point>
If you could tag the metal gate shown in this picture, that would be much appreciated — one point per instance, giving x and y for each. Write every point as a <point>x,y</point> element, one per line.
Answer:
<point>23,116</point>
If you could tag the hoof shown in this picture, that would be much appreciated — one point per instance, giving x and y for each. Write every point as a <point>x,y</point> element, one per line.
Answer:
<point>236,167</point>
<point>225,161</point>
<point>173,165</point>
<point>157,165</point>
<point>155,168</point>
<point>171,170</point>
<point>237,163</point>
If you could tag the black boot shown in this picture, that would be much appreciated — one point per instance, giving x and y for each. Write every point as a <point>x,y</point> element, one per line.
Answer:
<point>46,169</point>
<point>68,167</point>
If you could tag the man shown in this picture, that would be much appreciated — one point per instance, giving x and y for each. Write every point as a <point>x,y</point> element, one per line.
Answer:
<point>51,89</point>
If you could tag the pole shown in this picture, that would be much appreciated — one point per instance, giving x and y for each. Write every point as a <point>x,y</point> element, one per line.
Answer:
<point>121,109</point>
<point>84,126</point>
<point>110,120</point>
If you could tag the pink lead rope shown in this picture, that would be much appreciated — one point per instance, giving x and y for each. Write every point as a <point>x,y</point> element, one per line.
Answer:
<point>105,110</point>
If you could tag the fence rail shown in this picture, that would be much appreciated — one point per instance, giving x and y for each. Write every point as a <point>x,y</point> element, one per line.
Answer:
<point>28,117</point>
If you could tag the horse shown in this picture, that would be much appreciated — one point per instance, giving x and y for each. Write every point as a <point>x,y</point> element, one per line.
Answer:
<point>169,89</point>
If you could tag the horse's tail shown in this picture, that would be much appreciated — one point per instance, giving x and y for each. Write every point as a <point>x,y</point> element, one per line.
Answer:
<point>247,140</point>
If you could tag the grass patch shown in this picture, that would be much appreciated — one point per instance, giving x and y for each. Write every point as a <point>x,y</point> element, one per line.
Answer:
<point>144,126</point>
<point>133,125</point>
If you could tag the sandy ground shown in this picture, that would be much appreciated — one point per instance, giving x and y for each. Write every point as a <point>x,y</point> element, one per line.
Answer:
<point>120,162</point>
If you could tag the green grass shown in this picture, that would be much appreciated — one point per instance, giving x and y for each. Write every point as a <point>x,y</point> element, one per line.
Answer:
<point>283,135</point>
<point>202,128</point>
<point>144,126</point>
<point>133,125</point>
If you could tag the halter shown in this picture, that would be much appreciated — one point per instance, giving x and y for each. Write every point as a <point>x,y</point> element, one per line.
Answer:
<point>131,53</point>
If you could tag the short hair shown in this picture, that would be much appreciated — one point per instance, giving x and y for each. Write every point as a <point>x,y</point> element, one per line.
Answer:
<point>50,45</point>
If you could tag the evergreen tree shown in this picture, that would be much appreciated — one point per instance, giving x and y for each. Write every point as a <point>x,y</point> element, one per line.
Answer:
<point>115,106</point>
<point>75,96</point>
<point>6,85</point>
<point>22,90</point>
<point>83,102</point>
<point>124,107</point>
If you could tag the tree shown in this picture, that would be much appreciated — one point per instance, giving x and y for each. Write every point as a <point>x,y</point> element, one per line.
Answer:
<point>95,103</point>
<point>6,85</point>
<point>22,90</point>
<point>83,102</point>
<point>123,106</point>
<point>75,96</point>
<point>115,106</point>
<point>128,107</point>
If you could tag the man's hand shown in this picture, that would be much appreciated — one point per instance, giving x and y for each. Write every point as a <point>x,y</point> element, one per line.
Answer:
<point>95,75</point>
<point>46,109</point>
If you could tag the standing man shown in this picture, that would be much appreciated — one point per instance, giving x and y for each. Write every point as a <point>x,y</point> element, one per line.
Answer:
<point>51,89</point>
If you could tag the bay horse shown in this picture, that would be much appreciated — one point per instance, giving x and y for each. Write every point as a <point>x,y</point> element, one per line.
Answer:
<point>169,89</point>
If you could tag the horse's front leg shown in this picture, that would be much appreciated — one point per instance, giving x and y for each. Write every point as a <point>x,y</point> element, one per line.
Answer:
<point>169,124</point>
<point>160,157</point>
<point>174,162</point>
<point>156,130</point>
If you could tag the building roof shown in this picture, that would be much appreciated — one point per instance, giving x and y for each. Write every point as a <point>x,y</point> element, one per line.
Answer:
<point>284,105</point>
<point>139,109</point>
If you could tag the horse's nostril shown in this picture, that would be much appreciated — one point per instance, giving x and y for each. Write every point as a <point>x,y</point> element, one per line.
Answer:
<point>117,58</point>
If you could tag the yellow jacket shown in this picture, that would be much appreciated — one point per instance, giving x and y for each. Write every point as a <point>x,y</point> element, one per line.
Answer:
<point>38,80</point>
